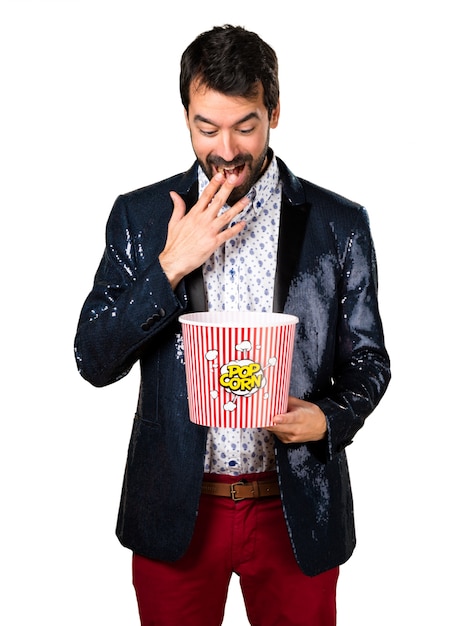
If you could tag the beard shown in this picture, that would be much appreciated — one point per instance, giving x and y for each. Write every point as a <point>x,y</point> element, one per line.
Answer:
<point>255,169</point>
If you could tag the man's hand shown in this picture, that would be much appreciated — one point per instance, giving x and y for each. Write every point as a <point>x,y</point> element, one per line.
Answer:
<point>303,422</point>
<point>194,236</point>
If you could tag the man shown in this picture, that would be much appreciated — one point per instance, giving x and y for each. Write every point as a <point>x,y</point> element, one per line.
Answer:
<point>238,231</point>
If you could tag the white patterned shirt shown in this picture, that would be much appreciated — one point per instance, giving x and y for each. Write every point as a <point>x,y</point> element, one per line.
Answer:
<point>240,276</point>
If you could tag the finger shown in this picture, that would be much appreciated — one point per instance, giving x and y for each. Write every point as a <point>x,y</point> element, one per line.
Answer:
<point>225,190</point>
<point>279,420</point>
<point>283,436</point>
<point>227,217</point>
<point>179,207</point>
<point>217,192</point>
<point>229,233</point>
<point>209,193</point>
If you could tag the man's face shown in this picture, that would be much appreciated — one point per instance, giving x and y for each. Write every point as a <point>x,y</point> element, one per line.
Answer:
<point>231,134</point>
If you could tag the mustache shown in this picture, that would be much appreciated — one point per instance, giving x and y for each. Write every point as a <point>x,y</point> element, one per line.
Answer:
<point>239,160</point>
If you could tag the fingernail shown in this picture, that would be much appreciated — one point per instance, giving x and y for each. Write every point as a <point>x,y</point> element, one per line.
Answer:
<point>219,176</point>
<point>231,178</point>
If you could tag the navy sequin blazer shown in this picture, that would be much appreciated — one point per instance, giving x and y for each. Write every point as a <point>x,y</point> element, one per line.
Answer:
<point>326,276</point>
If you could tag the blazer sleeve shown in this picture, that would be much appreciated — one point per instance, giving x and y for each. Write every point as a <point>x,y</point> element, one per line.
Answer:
<point>131,301</point>
<point>362,365</point>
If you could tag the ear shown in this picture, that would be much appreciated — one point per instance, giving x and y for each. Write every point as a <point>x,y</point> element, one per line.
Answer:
<point>275,116</point>
<point>185,112</point>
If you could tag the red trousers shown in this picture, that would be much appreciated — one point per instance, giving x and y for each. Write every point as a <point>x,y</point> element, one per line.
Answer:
<point>249,538</point>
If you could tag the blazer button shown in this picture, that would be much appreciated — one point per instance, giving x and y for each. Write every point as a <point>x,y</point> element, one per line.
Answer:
<point>148,324</point>
<point>151,320</point>
<point>154,318</point>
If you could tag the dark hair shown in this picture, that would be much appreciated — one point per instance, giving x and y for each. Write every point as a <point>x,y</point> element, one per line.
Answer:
<point>233,61</point>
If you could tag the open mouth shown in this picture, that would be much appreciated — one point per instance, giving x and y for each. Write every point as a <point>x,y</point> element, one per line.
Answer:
<point>231,170</point>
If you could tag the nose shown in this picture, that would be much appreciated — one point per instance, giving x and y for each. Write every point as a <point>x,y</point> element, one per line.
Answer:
<point>227,147</point>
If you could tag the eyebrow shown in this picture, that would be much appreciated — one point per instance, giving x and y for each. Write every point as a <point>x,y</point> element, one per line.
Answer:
<point>205,120</point>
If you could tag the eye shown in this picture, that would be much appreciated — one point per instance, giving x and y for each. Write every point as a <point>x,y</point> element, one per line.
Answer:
<point>207,133</point>
<point>246,131</point>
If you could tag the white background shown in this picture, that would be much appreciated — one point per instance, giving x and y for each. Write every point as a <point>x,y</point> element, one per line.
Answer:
<point>90,109</point>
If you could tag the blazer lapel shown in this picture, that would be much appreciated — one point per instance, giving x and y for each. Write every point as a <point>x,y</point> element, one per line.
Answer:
<point>194,282</point>
<point>292,231</point>
<point>195,291</point>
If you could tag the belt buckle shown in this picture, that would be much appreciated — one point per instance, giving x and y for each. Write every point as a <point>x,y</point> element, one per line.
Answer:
<point>233,494</point>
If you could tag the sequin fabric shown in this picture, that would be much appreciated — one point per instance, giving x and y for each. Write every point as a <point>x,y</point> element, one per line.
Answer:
<point>240,276</point>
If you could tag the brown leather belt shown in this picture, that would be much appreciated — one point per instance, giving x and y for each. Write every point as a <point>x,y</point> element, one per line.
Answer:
<point>242,489</point>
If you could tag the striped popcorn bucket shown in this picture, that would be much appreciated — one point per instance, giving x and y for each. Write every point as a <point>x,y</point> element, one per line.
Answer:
<point>238,366</point>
